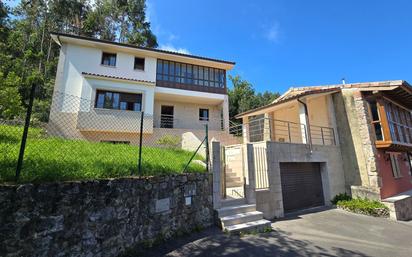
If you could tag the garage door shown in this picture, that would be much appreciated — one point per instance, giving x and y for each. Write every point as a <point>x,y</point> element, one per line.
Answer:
<point>301,185</point>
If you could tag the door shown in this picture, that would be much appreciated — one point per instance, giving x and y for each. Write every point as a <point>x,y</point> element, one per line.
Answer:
<point>301,185</point>
<point>166,116</point>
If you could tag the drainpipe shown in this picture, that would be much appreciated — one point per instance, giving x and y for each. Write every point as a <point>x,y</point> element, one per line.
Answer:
<point>307,124</point>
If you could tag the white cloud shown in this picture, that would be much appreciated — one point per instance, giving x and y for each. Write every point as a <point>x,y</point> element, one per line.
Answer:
<point>170,47</point>
<point>272,32</point>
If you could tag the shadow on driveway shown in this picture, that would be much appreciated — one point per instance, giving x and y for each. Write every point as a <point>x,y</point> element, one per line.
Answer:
<point>317,232</point>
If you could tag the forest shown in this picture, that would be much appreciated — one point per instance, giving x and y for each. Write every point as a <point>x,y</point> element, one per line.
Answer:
<point>29,56</point>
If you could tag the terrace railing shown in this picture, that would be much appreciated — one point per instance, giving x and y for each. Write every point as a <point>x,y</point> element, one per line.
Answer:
<point>267,129</point>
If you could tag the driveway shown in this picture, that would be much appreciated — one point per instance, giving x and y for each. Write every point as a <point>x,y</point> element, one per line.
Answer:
<point>322,232</point>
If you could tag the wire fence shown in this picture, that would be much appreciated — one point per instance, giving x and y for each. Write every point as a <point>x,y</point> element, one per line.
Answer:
<point>83,140</point>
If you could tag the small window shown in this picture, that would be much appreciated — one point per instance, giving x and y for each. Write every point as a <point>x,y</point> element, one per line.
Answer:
<point>204,114</point>
<point>138,63</point>
<point>374,113</point>
<point>396,171</point>
<point>118,101</point>
<point>109,59</point>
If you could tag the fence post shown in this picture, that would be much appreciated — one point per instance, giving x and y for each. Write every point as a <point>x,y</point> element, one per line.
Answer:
<point>207,147</point>
<point>140,145</point>
<point>25,131</point>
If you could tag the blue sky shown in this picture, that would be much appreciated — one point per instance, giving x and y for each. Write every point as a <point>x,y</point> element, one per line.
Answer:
<point>282,43</point>
<point>278,44</point>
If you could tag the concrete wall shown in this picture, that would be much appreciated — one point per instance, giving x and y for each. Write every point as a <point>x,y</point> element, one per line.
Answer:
<point>270,201</point>
<point>101,217</point>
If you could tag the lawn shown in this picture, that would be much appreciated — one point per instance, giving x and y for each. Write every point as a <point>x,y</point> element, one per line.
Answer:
<point>56,159</point>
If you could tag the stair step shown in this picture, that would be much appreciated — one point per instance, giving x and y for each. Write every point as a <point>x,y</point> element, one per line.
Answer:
<point>234,184</point>
<point>233,202</point>
<point>241,218</point>
<point>258,225</point>
<point>232,210</point>
<point>233,179</point>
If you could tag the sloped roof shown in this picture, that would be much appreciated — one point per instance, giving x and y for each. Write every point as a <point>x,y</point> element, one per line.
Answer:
<point>298,92</point>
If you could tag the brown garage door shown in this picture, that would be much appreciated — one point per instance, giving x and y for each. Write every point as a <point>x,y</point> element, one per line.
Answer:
<point>301,185</point>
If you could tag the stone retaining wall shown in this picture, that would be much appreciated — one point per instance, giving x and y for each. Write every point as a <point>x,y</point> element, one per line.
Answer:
<point>102,217</point>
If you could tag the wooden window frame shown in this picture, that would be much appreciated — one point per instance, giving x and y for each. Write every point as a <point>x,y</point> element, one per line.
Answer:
<point>117,92</point>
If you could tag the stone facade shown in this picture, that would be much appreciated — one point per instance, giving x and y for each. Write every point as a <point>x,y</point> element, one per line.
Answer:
<point>102,217</point>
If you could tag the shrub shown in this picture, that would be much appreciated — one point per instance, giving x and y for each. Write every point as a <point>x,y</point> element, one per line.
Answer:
<point>364,206</point>
<point>340,197</point>
<point>169,141</point>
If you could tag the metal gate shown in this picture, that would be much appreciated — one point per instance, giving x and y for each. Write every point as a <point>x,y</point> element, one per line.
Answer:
<point>301,185</point>
<point>233,181</point>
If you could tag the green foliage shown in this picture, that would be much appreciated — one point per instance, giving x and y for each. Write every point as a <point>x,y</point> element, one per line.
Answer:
<point>341,197</point>
<point>242,97</point>
<point>169,141</point>
<point>55,159</point>
<point>364,206</point>
<point>28,53</point>
<point>10,99</point>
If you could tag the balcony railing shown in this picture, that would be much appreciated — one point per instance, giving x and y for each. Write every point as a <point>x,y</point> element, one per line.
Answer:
<point>265,129</point>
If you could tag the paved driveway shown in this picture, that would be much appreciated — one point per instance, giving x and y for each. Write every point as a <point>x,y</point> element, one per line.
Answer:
<point>327,232</point>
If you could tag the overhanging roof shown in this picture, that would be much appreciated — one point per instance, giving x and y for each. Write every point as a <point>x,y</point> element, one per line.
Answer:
<point>398,89</point>
<point>158,53</point>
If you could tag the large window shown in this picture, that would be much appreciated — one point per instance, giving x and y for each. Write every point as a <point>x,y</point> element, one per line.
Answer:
<point>118,101</point>
<point>190,74</point>
<point>109,59</point>
<point>376,121</point>
<point>400,123</point>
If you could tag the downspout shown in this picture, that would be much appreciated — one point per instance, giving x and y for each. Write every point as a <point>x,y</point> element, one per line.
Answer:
<point>307,124</point>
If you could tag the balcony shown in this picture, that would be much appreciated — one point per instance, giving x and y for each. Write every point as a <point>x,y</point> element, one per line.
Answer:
<point>190,77</point>
<point>391,123</point>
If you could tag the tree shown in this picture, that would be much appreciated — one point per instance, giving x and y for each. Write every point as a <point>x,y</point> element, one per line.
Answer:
<point>27,50</point>
<point>242,97</point>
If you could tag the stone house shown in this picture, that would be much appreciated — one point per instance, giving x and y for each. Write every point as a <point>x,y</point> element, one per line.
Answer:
<point>325,140</point>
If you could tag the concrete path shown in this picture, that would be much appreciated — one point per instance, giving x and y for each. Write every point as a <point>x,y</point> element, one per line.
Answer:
<point>322,232</point>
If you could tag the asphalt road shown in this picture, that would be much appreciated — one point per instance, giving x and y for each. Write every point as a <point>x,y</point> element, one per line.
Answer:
<point>322,232</point>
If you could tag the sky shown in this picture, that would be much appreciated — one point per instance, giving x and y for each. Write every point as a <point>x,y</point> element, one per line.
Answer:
<point>282,43</point>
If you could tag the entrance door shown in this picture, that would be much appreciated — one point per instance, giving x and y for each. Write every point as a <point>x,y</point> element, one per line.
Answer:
<point>301,185</point>
<point>166,116</point>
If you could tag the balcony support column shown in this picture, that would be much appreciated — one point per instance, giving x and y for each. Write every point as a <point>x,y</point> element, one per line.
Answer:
<point>304,120</point>
<point>225,116</point>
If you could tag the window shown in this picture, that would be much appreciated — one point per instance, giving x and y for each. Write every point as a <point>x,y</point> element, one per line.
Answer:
<point>118,101</point>
<point>109,59</point>
<point>400,122</point>
<point>374,113</point>
<point>204,114</point>
<point>410,163</point>
<point>138,63</point>
<point>190,74</point>
<point>396,171</point>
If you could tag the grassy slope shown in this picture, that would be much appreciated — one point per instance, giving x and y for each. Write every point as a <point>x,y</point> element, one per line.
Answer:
<point>54,159</point>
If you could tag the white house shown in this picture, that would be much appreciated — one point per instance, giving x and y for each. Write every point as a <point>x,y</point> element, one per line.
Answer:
<point>102,88</point>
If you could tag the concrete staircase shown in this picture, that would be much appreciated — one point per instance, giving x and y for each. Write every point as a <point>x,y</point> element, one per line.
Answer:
<point>237,216</point>
<point>232,180</point>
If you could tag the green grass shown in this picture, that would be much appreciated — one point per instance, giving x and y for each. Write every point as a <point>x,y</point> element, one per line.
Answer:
<point>55,159</point>
<point>364,206</point>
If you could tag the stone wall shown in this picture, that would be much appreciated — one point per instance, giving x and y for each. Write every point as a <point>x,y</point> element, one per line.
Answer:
<point>400,206</point>
<point>102,217</point>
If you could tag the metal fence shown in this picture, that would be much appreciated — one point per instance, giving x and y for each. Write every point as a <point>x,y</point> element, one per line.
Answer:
<point>267,129</point>
<point>81,141</point>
